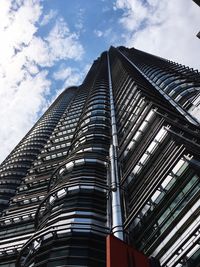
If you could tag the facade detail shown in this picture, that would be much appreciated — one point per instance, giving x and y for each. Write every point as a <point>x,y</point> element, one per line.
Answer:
<point>120,154</point>
<point>197,2</point>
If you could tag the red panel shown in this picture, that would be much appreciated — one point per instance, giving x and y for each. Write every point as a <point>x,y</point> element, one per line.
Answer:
<point>140,259</point>
<point>116,252</point>
<point>119,254</point>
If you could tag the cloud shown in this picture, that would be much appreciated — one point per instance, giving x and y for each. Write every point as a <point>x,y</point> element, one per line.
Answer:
<point>134,13</point>
<point>17,27</point>
<point>70,76</point>
<point>48,17</point>
<point>165,28</point>
<point>25,60</point>
<point>63,73</point>
<point>109,35</point>
<point>39,52</point>
<point>74,79</point>
<point>62,43</point>
<point>80,20</point>
<point>59,44</point>
<point>98,33</point>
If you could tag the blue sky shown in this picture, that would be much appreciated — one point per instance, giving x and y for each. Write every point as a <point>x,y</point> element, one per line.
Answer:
<point>48,45</point>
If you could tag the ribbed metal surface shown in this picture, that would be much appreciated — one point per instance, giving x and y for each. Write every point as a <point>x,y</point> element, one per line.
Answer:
<point>159,156</point>
<point>75,207</point>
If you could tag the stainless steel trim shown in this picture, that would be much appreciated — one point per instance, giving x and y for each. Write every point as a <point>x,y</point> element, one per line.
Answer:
<point>117,225</point>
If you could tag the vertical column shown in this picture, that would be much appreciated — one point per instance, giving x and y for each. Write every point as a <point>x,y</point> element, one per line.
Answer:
<point>117,227</point>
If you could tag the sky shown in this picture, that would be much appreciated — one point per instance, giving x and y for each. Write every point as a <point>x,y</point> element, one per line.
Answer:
<point>48,45</point>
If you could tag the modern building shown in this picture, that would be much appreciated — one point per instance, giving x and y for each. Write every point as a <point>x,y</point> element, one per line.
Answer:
<point>197,2</point>
<point>119,154</point>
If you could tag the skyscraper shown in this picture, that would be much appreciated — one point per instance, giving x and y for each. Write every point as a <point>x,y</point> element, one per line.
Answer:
<point>119,154</point>
<point>197,2</point>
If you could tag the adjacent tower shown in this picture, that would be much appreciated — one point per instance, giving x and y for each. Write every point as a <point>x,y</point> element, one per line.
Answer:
<point>119,154</point>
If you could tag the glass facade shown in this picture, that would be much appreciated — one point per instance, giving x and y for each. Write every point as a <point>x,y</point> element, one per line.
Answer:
<point>118,154</point>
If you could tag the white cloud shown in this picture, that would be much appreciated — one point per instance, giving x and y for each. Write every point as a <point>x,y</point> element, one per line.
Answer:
<point>165,28</point>
<point>80,20</point>
<point>70,76</point>
<point>24,61</point>
<point>74,79</point>
<point>18,29</point>
<point>134,13</point>
<point>109,36</point>
<point>62,43</point>
<point>63,73</point>
<point>31,67</point>
<point>98,33</point>
<point>48,17</point>
<point>39,52</point>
